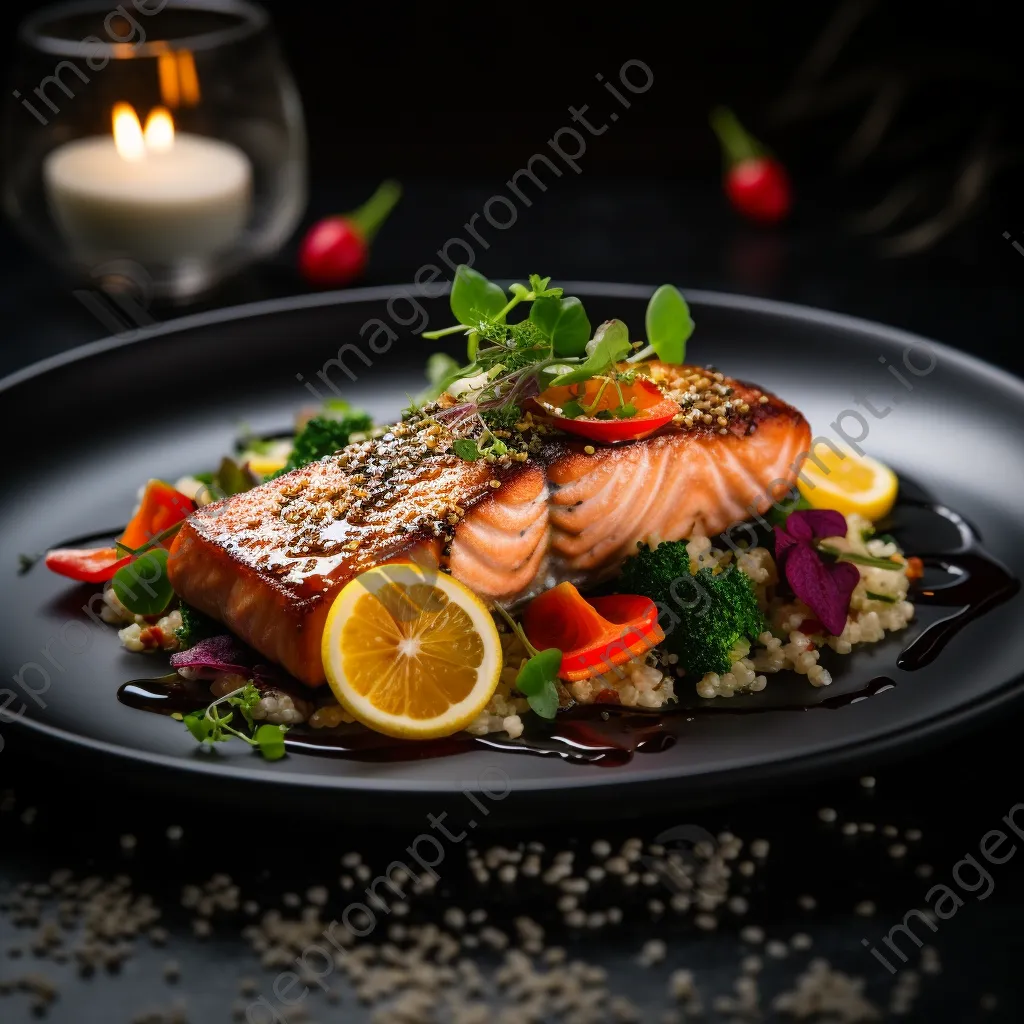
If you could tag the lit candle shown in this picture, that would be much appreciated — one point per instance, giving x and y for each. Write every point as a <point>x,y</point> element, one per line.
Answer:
<point>153,195</point>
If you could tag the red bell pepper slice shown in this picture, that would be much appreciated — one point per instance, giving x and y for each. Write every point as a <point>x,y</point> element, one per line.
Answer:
<point>653,410</point>
<point>594,634</point>
<point>161,508</point>
<point>88,565</point>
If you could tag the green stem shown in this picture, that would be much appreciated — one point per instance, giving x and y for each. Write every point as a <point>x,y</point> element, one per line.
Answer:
<point>512,303</point>
<point>589,410</point>
<point>852,556</point>
<point>369,217</point>
<point>738,143</point>
<point>517,629</point>
<point>434,335</point>
<point>644,353</point>
<point>152,542</point>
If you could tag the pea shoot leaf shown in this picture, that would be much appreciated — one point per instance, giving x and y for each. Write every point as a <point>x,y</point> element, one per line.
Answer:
<point>609,344</point>
<point>474,297</point>
<point>669,324</point>
<point>270,740</point>
<point>537,682</point>
<point>466,449</point>
<point>564,321</point>
<point>142,585</point>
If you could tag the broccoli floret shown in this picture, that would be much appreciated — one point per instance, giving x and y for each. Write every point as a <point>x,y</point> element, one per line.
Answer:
<point>324,435</point>
<point>708,613</point>
<point>195,626</point>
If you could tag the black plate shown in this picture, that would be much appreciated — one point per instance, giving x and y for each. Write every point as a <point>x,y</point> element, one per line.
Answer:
<point>169,400</point>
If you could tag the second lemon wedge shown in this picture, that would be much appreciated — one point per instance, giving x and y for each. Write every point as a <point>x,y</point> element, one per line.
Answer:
<point>849,483</point>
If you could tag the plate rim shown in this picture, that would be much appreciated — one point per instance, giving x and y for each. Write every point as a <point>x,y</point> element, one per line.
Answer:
<point>887,742</point>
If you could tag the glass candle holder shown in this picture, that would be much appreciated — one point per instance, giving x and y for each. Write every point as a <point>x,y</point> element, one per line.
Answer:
<point>165,137</point>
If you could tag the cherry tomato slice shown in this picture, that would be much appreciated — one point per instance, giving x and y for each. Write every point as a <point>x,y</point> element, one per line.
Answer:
<point>653,410</point>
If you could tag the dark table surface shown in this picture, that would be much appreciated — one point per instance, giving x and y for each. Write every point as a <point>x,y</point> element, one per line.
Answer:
<point>930,811</point>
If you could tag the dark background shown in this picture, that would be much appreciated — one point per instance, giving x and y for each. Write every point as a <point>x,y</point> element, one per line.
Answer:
<point>452,99</point>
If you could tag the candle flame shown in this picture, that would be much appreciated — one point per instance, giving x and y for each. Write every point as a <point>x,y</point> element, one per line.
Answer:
<point>128,138</point>
<point>188,78</point>
<point>159,130</point>
<point>167,70</point>
<point>178,79</point>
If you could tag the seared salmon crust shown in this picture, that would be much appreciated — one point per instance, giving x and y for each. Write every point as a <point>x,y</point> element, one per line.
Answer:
<point>269,562</point>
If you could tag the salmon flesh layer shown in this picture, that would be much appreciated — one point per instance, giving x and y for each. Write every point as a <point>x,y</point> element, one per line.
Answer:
<point>269,562</point>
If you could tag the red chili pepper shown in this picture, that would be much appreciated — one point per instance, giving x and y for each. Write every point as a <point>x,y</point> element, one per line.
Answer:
<point>161,507</point>
<point>593,634</point>
<point>335,249</point>
<point>653,409</point>
<point>755,182</point>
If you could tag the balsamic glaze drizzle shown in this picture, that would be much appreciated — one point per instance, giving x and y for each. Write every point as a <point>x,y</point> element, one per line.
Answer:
<point>608,736</point>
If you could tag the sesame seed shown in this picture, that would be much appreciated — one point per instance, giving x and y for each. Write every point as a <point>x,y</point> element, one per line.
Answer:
<point>589,449</point>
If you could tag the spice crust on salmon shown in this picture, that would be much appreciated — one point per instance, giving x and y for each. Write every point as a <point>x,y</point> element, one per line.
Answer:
<point>269,562</point>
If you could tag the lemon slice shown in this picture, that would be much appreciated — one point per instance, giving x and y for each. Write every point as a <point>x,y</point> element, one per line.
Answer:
<point>849,483</point>
<point>411,652</point>
<point>272,457</point>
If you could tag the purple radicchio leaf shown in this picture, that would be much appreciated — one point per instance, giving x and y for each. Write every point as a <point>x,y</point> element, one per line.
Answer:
<point>826,588</point>
<point>225,654</point>
<point>815,523</point>
<point>218,653</point>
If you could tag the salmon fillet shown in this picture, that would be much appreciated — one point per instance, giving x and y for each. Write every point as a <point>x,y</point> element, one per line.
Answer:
<point>269,562</point>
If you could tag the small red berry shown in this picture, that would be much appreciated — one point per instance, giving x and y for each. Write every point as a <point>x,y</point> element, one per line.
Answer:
<point>759,188</point>
<point>755,182</point>
<point>335,250</point>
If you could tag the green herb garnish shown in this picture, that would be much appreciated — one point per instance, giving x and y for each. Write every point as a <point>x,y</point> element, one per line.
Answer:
<point>852,556</point>
<point>537,682</point>
<point>669,325</point>
<point>142,585</point>
<point>880,597</point>
<point>538,678</point>
<point>466,448</point>
<point>195,626</point>
<point>324,435</point>
<point>552,346</point>
<point>210,726</point>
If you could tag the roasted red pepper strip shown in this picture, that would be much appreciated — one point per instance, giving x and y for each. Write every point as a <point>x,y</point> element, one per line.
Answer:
<point>161,507</point>
<point>594,634</point>
<point>89,565</point>
<point>653,410</point>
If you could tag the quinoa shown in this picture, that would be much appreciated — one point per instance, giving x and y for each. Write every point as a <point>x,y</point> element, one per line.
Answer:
<point>784,645</point>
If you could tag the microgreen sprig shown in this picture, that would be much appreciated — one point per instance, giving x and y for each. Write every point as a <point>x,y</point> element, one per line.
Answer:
<point>212,726</point>
<point>507,363</point>
<point>538,678</point>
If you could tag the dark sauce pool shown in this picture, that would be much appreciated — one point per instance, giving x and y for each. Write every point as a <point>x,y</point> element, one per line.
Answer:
<point>959,575</point>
